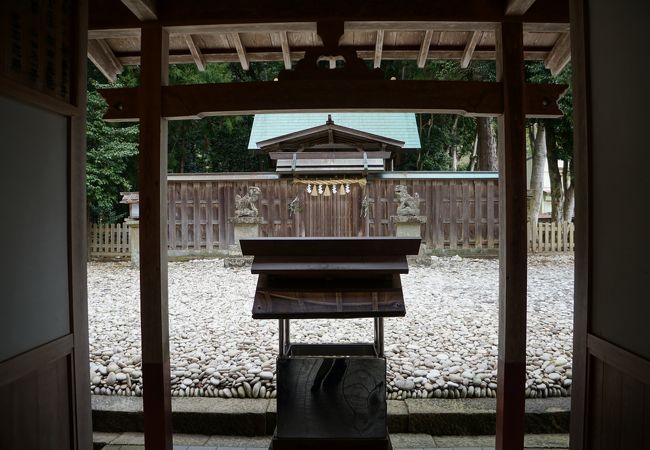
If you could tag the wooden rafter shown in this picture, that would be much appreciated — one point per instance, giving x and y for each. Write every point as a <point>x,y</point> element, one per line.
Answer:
<point>560,55</point>
<point>458,97</point>
<point>241,51</point>
<point>473,40</point>
<point>379,46</point>
<point>142,9</point>
<point>100,53</point>
<point>286,51</point>
<point>197,55</point>
<point>424,47</point>
<point>518,7</point>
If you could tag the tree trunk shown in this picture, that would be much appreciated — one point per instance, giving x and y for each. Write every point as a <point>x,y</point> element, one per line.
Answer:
<point>569,203</point>
<point>453,151</point>
<point>487,147</point>
<point>537,175</point>
<point>569,191</point>
<point>557,192</point>
<point>473,158</point>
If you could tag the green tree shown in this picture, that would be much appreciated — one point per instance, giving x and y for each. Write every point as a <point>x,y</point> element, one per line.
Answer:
<point>111,153</point>
<point>215,144</point>
<point>447,140</point>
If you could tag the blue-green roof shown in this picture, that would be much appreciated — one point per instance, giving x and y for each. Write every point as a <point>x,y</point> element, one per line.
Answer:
<point>400,126</point>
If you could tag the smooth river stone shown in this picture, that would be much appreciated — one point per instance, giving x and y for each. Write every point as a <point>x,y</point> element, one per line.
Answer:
<point>406,385</point>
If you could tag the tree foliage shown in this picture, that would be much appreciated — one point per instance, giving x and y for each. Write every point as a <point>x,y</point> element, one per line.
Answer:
<point>445,139</point>
<point>111,153</point>
<point>215,144</point>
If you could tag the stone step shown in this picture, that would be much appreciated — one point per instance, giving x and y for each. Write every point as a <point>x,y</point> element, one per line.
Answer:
<point>256,417</point>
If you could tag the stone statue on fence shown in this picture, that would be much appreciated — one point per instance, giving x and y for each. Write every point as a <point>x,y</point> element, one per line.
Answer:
<point>408,205</point>
<point>245,206</point>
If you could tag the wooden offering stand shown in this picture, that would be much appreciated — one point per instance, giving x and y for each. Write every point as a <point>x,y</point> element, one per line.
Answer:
<point>330,395</point>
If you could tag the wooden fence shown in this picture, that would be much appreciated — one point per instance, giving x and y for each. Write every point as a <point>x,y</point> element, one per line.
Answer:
<point>108,240</point>
<point>461,209</point>
<point>551,237</point>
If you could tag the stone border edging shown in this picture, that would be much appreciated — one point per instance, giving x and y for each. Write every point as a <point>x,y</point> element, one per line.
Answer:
<point>255,417</point>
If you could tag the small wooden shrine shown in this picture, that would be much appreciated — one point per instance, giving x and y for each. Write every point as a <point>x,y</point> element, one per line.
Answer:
<point>332,149</point>
<point>330,395</point>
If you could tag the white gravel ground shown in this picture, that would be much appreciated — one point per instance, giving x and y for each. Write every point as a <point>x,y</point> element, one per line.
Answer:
<point>446,346</point>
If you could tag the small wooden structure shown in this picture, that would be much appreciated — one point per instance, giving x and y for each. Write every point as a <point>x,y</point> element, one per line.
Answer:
<point>330,395</point>
<point>133,200</point>
<point>331,148</point>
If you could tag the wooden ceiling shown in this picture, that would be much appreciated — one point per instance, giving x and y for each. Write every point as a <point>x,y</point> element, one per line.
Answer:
<point>114,34</point>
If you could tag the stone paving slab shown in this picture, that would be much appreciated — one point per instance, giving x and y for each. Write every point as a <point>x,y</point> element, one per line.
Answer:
<point>464,441</point>
<point>405,440</point>
<point>531,441</point>
<point>134,441</point>
<point>238,442</point>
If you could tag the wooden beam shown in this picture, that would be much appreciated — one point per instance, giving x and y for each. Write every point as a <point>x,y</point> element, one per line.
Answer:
<point>518,7</point>
<point>212,56</point>
<point>153,239</point>
<point>472,41</point>
<point>396,26</point>
<point>235,39</point>
<point>424,47</point>
<point>560,55</point>
<point>546,27</point>
<point>120,33</point>
<point>511,367</point>
<point>286,51</point>
<point>379,45</point>
<point>197,55</point>
<point>142,9</point>
<point>454,97</point>
<point>101,55</point>
<point>310,27</point>
<point>188,13</point>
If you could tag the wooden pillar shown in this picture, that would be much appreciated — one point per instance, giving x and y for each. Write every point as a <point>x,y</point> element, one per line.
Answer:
<point>153,239</point>
<point>512,240</point>
<point>582,139</point>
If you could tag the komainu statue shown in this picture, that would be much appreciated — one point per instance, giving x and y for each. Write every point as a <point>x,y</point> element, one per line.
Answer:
<point>408,205</point>
<point>245,206</point>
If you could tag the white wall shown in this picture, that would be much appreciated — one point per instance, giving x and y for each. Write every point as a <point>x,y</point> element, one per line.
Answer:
<point>33,228</point>
<point>620,95</point>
